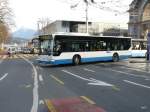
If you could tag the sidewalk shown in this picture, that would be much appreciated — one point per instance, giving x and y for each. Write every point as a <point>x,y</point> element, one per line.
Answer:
<point>138,60</point>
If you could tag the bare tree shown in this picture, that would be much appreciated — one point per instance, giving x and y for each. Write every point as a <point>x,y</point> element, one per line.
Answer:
<point>43,25</point>
<point>4,33</point>
<point>5,20</point>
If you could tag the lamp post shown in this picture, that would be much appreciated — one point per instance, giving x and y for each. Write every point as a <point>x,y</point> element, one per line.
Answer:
<point>86,10</point>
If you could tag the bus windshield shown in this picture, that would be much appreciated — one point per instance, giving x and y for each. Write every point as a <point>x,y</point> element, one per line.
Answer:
<point>46,46</point>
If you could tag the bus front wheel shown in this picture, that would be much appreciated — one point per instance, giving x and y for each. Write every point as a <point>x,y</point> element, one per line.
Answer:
<point>115,57</point>
<point>76,60</point>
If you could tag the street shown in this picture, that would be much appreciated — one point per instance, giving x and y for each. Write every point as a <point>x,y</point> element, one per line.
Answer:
<point>114,87</point>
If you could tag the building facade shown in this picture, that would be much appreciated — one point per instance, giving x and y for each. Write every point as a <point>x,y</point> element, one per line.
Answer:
<point>96,28</point>
<point>139,18</point>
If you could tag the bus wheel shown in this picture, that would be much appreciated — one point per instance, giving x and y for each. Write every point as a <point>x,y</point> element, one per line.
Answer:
<point>115,57</point>
<point>76,60</point>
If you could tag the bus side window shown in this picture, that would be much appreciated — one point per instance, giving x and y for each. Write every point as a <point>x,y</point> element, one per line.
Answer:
<point>122,47</point>
<point>137,47</point>
<point>108,46</point>
<point>115,47</point>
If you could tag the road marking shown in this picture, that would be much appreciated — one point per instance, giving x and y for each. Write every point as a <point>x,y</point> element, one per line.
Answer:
<point>148,87</point>
<point>58,80</point>
<point>15,57</point>
<point>28,86</point>
<point>41,78</point>
<point>88,100</point>
<point>86,69</point>
<point>135,69</point>
<point>4,76</point>
<point>144,107</point>
<point>37,67</point>
<point>142,76</point>
<point>3,57</point>
<point>50,106</point>
<point>115,88</point>
<point>41,102</point>
<point>35,88</point>
<point>92,81</point>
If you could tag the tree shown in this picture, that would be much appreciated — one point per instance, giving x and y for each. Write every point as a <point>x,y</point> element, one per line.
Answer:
<point>4,33</point>
<point>5,20</point>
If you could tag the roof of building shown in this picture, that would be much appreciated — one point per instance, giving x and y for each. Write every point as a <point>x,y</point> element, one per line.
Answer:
<point>134,4</point>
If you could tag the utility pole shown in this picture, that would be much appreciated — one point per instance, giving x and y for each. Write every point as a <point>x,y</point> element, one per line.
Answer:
<point>38,28</point>
<point>86,10</point>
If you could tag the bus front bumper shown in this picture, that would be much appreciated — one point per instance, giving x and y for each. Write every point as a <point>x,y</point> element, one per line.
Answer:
<point>45,62</point>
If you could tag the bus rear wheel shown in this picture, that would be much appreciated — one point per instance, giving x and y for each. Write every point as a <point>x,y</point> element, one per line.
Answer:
<point>115,57</point>
<point>76,60</point>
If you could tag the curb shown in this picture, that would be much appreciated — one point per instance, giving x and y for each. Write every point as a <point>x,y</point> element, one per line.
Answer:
<point>139,61</point>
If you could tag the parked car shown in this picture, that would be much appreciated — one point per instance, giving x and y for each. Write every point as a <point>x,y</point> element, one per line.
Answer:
<point>27,51</point>
<point>11,51</point>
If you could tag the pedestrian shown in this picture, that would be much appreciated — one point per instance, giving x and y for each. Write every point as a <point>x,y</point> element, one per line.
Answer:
<point>9,52</point>
<point>148,44</point>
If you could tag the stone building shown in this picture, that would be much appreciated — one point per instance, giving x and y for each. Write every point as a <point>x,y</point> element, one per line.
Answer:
<point>139,18</point>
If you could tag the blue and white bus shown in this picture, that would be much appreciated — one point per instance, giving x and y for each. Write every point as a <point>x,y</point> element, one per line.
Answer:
<point>139,48</point>
<point>77,48</point>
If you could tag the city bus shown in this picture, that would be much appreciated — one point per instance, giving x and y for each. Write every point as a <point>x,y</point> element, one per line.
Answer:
<point>77,48</point>
<point>139,48</point>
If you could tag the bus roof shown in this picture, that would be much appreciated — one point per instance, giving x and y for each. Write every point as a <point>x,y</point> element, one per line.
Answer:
<point>81,34</point>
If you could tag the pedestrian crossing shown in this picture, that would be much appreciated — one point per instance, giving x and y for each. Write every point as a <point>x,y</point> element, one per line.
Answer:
<point>19,56</point>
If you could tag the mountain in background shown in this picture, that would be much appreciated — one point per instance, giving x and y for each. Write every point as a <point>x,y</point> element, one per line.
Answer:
<point>18,40</point>
<point>24,33</point>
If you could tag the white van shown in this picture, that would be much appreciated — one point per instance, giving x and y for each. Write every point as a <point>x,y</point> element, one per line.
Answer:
<point>12,50</point>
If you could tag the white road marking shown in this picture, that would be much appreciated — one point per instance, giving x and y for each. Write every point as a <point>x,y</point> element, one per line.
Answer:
<point>135,69</point>
<point>35,89</point>
<point>41,78</point>
<point>3,57</point>
<point>142,76</point>
<point>91,80</point>
<point>4,76</point>
<point>86,69</point>
<point>133,83</point>
<point>41,102</point>
<point>36,67</point>
<point>15,56</point>
<point>144,107</point>
<point>40,68</point>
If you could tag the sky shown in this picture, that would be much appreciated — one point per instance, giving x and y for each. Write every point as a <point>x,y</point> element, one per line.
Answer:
<point>28,12</point>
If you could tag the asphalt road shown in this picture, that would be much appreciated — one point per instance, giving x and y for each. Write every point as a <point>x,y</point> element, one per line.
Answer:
<point>115,87</point>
